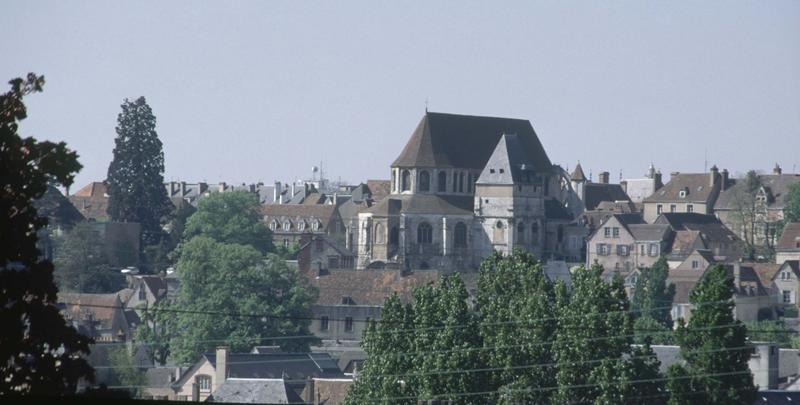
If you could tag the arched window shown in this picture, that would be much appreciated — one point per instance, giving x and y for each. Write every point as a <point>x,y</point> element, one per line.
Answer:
<point>424,181</point>
<point>394,236</point>
<point>424,233</point>
<point>406,180</point>
<point>442,182</point>
<point>534,232</point>
<point>460,235</point>
<point>461,182</point>
<point>203,382</point>
<point>521,233</point>
<point>499,232</point>
<point>380,237</point>
<point>394,180</point>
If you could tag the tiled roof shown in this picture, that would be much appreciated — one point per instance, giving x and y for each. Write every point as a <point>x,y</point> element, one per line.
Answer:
<point>325,213</point>
<point>649,232</point>
<point>370,287</point>
<point>423,204</point>
<point>697,186</point>
<point>465,141</point>
<point>101,307</point>
<point>379,189</point>
<point>790,238</point>
<point>294,366</point>
<point>776,185</point>
<point>766,272</point>
<point>93,189</point>
<point>596,193</point>
<point>577,174</point>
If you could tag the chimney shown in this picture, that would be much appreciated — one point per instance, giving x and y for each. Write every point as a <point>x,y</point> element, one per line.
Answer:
<point>777,169</point>
<point>737,275</point>
<point>657,181</point>
<point>713,176</point>
<point>183,188</point>
<point>724,180</point>
<point>195,392</point>
<point>603,177</point>
<point>276,192</point>
<point>293,189</point>
<point>335,198</point>
<point>221,373</point>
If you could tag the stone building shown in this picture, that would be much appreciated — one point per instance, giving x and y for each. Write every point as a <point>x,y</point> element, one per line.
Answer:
<point>462,187</point>
<point>686,192</point>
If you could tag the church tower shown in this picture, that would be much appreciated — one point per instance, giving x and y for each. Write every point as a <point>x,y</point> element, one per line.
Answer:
<point>578,180</point>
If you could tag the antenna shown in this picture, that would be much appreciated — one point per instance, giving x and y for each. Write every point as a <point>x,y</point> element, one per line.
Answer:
<point>705,160</point>
<point>426,104</point>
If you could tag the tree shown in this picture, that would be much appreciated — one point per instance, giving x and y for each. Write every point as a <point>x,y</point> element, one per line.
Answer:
<point>388,345</point>
<point>594,334</point>
<point>770,331</point>
<point>157,330</point>
<point>651,303</point>
<point>81,265</point>
<point>791,210</point>
<point>714,346</point>
<point>231,218</point>
<point>136,174</point>
<point>39,353</point>
<point>514,305</point>
<point>230,293</point>
<point>124,372</point>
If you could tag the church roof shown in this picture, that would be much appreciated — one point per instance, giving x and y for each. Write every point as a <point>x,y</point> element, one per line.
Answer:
<point>577,174</point>
<point>466,141</point>
<point>508,163</point>
<point>423,204</point>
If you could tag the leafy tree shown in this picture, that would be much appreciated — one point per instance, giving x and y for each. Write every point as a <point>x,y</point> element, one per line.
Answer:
<point>39,353</point>
<point>791,210</point>
<point>136,174</point>
<point>388,345</point>
<point>231,218</point>
<point>445,343</point>
<point>770,331</point>
<point>594,333</point>
<point>124,372</point>
<point>157,330</point>
<point>514,304</point>
<point>651,303</point>
<point>231,293</point>
<point>82,266</point>
<point>714,346</point>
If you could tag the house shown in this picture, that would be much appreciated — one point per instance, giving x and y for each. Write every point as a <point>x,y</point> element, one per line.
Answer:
<point>348,299</point>
<point>213,370</point>
<point>592,194</point>
<point>695,231</point>
<point>462,187</point>
<point>99,316</point>
<point>289,222</point>
<point>92,201</point>
<point>61,216</point>
<point>624,242</point>
<point>147,290</point>
<point>255,390</point>
<point>640,188</point>
<point>765,207</point>
<point>788,246</point>
<point>319,253</point>
<point>686,192</point>
<point>784,285</point>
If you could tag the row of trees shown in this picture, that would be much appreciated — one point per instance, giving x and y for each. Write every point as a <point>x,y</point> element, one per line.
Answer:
<point>527,340</point>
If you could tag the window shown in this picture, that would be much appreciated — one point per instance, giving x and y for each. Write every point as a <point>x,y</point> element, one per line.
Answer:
<point>348,324</point>
<point>405,181</point>
<point>455,181</point>
<point>424,233</point>
<point>314,225</point>
<point>301,225</point>
<point>203,382</point>
<point>642,250</point>
<point>470,182</point>
<point>502,171</point>
<point>521,233</point>
<point>695,264</point>
<point>654,249</point>
<point>689,208</point>
<point>394,236</point>
<point>285,242</point>
<point>442,182</point>
<point>424,181</point>
<point>603,249</point>
<point>616,266</point>
<point>380,236</point>
<point>333,262</point>
<point>534,232</point>
<point>461,182</point>
<point>323,323</point>
<point>673,208</point>
<point>499,232</point>
<point>491,171</point>
<point>273,225</point>
<point>622,250</point>
<point>615,231</point>
<point>607,232</point>
<point>659,209</point>
<point>460,235</point>
<point>287,225</point>
<point>787,296</point>
<point>320,244</point>
<point>394,180</point>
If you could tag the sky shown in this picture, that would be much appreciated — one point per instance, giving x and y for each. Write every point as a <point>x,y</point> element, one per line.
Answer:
<point>253,91</point>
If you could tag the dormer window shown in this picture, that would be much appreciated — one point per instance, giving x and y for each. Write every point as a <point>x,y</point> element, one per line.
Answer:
<point>314,225</point>
<point>682,193</point>
<point>287,225</point>
<point>273,225</point>
<point>301,225</point>
<point>491,171</point>
<point>502,171</point>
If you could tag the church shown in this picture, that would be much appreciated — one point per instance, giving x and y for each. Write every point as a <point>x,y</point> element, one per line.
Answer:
<point>462,187</point>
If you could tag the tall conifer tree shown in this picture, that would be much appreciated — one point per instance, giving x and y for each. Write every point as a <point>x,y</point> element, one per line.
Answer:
<point>136,174</point>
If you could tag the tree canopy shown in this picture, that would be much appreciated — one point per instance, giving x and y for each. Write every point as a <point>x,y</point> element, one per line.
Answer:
<point>652,302</point>
<point>791,210</point>
<point>135,179</point>
<point>81,265</point>
<point>230,218</point>
<point>39,351</point>
<point>714,346</point>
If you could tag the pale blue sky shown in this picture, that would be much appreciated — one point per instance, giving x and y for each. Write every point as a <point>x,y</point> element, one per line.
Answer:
<point>249,91</point>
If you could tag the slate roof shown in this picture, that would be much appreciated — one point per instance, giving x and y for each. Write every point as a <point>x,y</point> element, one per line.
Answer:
<point>652,232</point>
<point>790,238</point>
<point>466,141</point>
<point>379,189</point>
<point>577,174</point>
<point>596,193</point>
<point>291,366</point>
<point>509,163</point>
<point>777,397</point>
<point>697,184</point>
<point>553,209</point>
<point>56,208</point>
<point>423,204</point>
<point>370,287</point>
<point>255,391</point>
<point>325,213</point>
<point>776,185</point>
<point>332,391</point>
